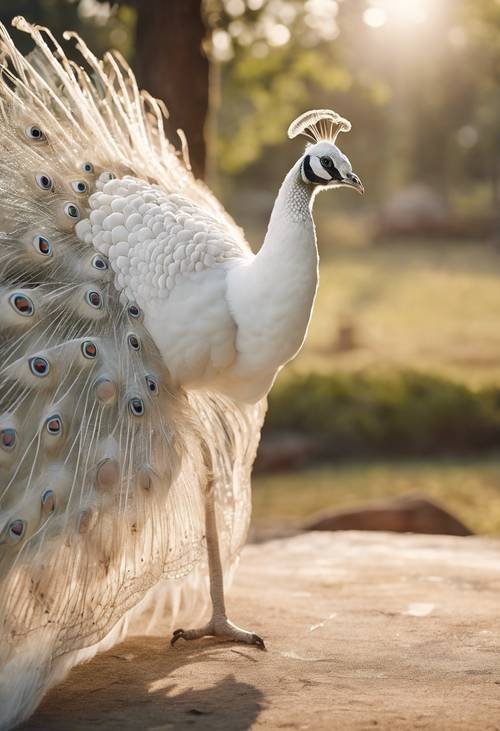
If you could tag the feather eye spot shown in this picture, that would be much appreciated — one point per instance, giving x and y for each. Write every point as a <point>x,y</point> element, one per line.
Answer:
<point>39,366</point>
<point>80,186</point>
<point>17,529</point>
<point>54,425</point>
<point>87,167</point>
<point>105,390</point>
<point>94,299</point>
<point>42,245</point>
<point>8,439</point>
<point>106,176</point>
<point>108,473</point>
<point>89,349</point>
<point>72,211</point>
<point>134,311</point>
<point>136,406</point>
<point>48,501</point>
<point>152,385</point>
<point>44,181</point>
<point>34,133</point>
<point>22,304</point>
<point>133,341</point>
<point>100,263</point>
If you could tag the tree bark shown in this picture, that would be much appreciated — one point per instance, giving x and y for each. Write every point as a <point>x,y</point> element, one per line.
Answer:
<point>172,66</point>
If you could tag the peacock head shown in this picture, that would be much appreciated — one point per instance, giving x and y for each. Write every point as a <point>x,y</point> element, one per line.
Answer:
<point>323,164</point>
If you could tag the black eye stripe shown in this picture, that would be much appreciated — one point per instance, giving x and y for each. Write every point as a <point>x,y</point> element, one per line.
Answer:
<point>328,164</point>
<point>335,173</point>
<point>310,174</point>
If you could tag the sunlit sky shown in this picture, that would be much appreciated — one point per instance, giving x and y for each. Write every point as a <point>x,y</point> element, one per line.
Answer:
<point>401,12</point>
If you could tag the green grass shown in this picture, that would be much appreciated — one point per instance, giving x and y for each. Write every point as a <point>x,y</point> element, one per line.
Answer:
<point>470,489</point>
<point>425,306</point>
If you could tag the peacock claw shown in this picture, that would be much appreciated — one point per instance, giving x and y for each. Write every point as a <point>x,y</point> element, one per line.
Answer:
<point>220,628</point>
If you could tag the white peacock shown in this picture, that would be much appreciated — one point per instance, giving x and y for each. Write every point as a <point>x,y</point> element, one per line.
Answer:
<point>139,338</point>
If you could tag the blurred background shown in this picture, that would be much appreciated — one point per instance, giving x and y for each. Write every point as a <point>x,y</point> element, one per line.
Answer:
<point>397,390</point>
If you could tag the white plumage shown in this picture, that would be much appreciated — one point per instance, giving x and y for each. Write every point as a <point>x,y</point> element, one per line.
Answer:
<point>139,337</point>
<point>171,256</point>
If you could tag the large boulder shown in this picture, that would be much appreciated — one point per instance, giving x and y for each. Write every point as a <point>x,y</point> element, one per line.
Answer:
<point>408,514</point>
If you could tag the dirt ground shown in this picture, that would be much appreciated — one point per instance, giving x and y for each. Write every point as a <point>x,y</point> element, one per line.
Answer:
<point>364,631</point>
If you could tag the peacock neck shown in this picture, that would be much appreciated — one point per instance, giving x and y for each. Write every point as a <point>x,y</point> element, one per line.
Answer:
<point>293,204</point>
<point>290,240</point>
<point>271,297</point>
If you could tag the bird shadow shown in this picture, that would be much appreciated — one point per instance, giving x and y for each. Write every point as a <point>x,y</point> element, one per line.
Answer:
<point>143,683</point>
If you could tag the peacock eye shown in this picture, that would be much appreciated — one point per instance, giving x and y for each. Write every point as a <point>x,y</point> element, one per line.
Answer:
<point>106,176</point>
<point>49,501</point>
<point>89,349</point>
<point>42,245</point>
<point>54,425</point>
<point>8,438</point>
<point>79,186</point>
<point>134,311</point>
<point>22,304</point>
<point>326,162</point>
<point>94,299</point>
<point>34,133</point>
<point>44,181</point>
<point>39,366</point>
<point>136,406</point>
<point>99,262</point>
<point>152,385</point>
<point>87,167</point>
<point>133,342</point>
<point>17,529</point>
<point>72,211</point>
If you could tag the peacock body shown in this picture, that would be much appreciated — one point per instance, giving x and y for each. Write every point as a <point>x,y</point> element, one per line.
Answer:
<point>138,338</point>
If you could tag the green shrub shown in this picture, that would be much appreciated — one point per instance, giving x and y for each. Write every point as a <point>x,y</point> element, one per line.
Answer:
<point>405,413</point>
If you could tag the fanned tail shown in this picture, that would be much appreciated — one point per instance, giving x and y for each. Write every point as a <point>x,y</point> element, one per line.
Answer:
<point>101,496</point>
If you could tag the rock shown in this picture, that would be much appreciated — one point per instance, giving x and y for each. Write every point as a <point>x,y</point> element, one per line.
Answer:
<point>364,630</point>
<point>409,514</point>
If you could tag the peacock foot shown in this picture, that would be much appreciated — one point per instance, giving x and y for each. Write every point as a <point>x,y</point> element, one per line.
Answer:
<point>219,627</point>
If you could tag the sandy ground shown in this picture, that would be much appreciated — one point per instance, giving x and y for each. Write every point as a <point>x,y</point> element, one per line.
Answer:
<point>364,631</point>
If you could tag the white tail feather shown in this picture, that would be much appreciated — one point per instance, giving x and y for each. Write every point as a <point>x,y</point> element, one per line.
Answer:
<point>103,479</point>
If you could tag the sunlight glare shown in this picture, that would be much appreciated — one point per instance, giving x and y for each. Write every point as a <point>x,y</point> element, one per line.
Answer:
<point>375,17</point>
<point>402,12</point>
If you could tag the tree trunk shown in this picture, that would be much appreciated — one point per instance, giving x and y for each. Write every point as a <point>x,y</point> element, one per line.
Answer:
<point>172,66</point>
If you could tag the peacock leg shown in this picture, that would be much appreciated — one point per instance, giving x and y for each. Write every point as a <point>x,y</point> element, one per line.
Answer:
<point>218,625</point>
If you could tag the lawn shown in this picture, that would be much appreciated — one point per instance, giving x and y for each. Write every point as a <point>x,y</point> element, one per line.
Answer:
<point>427,306</point>
<point>470,489</point>
<point>431,307</point>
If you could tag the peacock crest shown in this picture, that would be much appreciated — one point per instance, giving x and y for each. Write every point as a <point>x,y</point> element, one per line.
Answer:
<point>319,125</point>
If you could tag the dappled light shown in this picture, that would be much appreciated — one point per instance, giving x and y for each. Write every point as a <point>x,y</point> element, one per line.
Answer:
<point>408,13</point>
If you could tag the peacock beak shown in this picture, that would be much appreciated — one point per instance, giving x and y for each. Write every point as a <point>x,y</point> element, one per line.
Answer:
<point>353,181</point>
